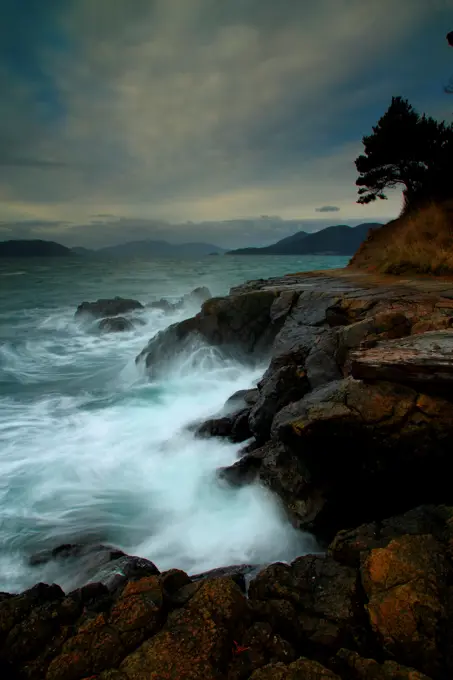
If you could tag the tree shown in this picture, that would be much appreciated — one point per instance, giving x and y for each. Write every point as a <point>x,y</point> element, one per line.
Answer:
<point>409,150</point>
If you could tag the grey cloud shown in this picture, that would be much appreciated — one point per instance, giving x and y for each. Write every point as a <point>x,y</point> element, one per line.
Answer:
<point>189,108</point>
<point>327,209</point>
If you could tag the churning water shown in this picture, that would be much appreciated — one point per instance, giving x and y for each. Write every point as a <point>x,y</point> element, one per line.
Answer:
<point>92,451</point>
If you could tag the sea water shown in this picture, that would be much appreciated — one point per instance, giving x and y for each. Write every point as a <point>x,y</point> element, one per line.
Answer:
<point>92,451</point>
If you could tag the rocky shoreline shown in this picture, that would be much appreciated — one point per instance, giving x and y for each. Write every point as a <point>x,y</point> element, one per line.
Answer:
<point>351,426</point>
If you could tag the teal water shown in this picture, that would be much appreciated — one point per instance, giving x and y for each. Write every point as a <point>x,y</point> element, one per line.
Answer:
<point>90,450</point>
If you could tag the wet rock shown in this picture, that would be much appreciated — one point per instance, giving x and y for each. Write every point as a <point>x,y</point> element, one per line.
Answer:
<point>108,307</point>
<point>406,584</point>
<point>425,359</point>
<point>125,568</point>
<point>242,398</point>
<point>240,325</point>
<point>116,324</point>
<point>197,296</point>
<point>196,642</point>
<point>301,669</point>
<point>239,573</point>
<point>164,305</point>
<point>356,667</point>
<point>285,385</point>
<point>234,426</point>
<point>101,553</point>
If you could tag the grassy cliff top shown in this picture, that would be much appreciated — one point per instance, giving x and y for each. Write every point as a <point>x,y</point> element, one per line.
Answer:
<point>418,243</point>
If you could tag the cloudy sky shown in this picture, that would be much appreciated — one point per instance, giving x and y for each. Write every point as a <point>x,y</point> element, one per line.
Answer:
<point>125,119</point>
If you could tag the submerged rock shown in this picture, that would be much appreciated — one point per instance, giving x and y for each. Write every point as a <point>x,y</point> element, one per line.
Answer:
<point>115,324</point>
<point>108,307</point>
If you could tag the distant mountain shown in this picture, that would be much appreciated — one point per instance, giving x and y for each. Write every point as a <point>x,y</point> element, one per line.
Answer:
<point>78,250</point>
<point>336,240</point>
<point>159,249</point>
<point>24,248</point>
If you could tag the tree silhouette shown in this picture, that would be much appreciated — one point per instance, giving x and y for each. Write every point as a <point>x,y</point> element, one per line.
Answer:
<point>409,150</point>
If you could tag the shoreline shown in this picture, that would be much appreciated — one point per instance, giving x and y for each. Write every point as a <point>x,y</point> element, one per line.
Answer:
<point>350,427</point>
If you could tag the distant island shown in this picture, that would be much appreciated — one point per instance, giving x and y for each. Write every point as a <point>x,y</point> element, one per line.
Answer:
<point>132,249</point>
<point>36,248</point>
<point>336,240</point>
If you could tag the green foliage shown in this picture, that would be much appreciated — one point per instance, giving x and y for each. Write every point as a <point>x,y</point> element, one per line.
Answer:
<point>409,150</point>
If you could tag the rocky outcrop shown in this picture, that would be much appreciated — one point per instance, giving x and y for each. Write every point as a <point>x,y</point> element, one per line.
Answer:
<point>353,433</point>
<point>238,326</point>
<point>108,307</point>
<point>424,359</point>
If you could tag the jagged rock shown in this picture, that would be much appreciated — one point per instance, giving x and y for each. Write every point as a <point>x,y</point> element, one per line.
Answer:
<point>356,667</point>
<point>395,438</point>
<point>302,669</point>
<point>287,384</point>
<point>239,325</point>
<point>406,586</point>
<point>115,324</point>
<point>108,307</point>
<point>419,359</point>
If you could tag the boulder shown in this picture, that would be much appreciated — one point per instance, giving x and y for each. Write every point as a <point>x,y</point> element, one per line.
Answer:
<point>115,324</point>
<point>425,359</point>
<point>108,307</point>
<point>406,585</point>
<point>259,647</point>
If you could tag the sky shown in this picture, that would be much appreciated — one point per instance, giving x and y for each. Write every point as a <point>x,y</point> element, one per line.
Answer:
<point>230,121</point>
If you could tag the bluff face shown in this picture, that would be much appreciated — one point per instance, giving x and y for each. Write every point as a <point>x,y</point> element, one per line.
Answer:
<point>351,426</point>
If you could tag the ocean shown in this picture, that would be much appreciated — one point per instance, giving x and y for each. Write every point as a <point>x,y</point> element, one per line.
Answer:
<point>93,451</point>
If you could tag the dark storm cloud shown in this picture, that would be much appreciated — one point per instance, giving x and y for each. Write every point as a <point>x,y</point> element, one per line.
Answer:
<point>200,109</point>
<point>327,209</point>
